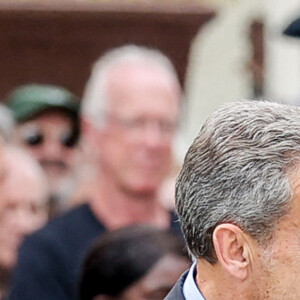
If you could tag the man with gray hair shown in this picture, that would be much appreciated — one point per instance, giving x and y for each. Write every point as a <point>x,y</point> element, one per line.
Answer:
<point>130,114</point>
<point>7,123</point>
<point>238,199</point>
<point>23,205</point>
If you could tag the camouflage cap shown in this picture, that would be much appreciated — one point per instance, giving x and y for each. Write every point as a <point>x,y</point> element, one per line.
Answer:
<point>29,100</point>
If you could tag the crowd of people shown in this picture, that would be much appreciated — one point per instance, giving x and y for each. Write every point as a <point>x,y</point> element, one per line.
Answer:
<point>78,171</point>
<point>81,215</point>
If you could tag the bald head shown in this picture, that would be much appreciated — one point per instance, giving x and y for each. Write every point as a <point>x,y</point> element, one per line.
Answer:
<point>23,170</point>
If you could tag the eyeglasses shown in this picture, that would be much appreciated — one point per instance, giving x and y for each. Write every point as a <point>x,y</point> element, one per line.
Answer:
<point>139,124</point>
<point>35,137</point>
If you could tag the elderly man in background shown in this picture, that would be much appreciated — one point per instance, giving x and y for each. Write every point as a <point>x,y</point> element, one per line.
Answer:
<point>238,198</point>
<point>23,205</point>
<point>48,127</point>
<point>130,114</point>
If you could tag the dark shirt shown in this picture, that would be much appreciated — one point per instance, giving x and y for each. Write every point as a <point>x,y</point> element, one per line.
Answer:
<point>50,260</point>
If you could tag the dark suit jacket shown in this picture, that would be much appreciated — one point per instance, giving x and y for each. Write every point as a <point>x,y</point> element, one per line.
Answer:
<point>176,293</point>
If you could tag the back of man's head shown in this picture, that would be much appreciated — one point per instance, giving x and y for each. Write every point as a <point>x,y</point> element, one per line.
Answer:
<point>236,172</point>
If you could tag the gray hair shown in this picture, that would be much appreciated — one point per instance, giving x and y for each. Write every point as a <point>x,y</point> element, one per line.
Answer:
<point>238,171</point>
<point>7,123</point>
<point>95,96</point>
<point>19,160</point>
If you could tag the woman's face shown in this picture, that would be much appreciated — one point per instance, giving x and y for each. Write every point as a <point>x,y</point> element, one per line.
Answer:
<point>156,284</point>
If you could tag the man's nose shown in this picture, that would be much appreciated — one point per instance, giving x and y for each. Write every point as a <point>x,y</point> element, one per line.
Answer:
<point>154,135</point>
<point>53,148</point>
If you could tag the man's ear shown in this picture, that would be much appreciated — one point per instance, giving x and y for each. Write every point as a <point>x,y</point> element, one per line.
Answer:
<point>88,128</point>
<point>232,250</point>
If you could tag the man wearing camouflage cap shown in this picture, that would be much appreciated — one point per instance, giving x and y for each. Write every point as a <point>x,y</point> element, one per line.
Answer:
<point>47,126</point>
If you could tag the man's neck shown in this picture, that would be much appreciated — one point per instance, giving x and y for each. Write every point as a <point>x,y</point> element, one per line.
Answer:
<point>116,208</point>
<point>215,284</point>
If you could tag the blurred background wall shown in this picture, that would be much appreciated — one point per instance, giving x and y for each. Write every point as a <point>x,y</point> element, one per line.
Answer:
<point>224,50</point>
<point>242,54</point>
<point>282,71</point>
<point>222,66</point>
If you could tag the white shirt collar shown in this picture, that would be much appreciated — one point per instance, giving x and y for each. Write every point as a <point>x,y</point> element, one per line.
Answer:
<point>190,289</point>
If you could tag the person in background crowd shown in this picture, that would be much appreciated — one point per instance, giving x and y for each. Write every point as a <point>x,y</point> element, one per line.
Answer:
<point>48,127</point>
<point>3,274</point>
<point>130,114</point>
<point>23,205</point>
<point>238,199</point>
<point>136,263</point>
<point>7,123</point>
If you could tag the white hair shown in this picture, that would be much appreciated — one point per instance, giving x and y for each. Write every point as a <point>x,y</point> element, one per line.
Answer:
<point>7,123</point>
<point>19,160</point>
<point>95,95</point>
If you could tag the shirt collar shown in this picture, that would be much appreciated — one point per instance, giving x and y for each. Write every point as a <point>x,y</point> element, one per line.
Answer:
<point>190,289</point>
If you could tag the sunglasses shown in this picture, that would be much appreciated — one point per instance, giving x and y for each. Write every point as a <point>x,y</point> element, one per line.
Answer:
<point>36,138</point>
